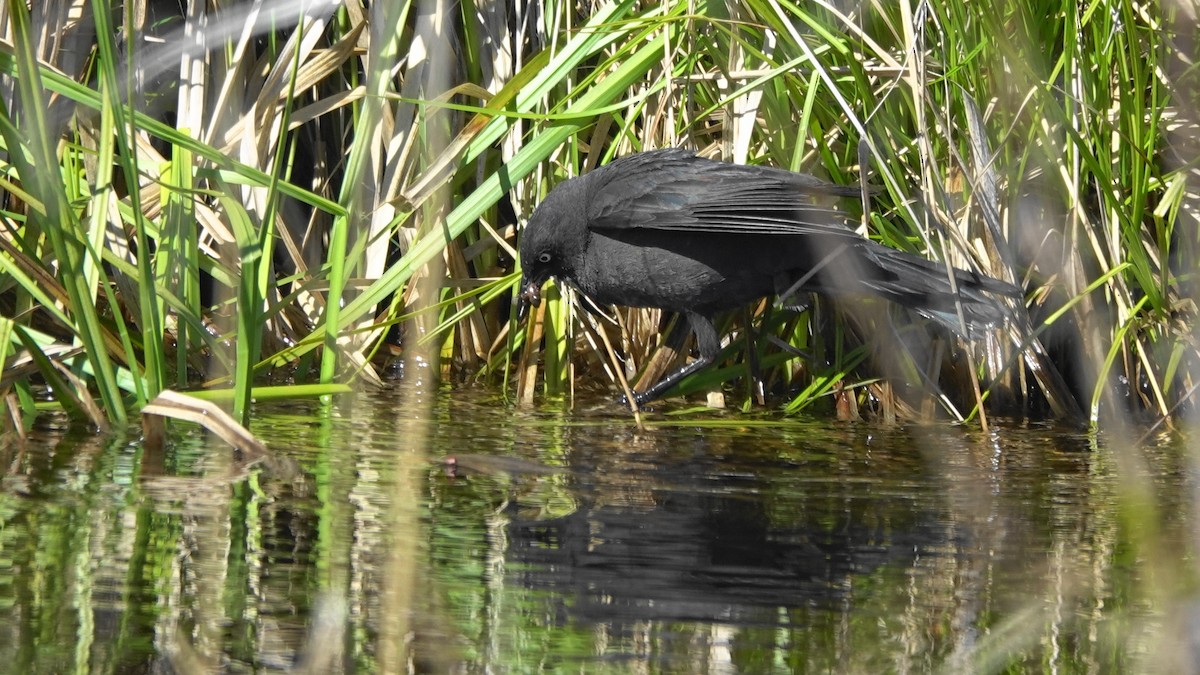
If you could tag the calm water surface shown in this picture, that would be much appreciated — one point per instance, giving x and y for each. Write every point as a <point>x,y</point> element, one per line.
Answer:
<point>490,538</point>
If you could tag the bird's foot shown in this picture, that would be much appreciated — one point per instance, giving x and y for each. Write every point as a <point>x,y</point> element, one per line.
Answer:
<point>793,305</point>
<point>640,398</point>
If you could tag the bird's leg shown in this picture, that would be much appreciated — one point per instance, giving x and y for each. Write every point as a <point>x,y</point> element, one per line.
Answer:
<point>709,345</point>
<point>788,299</point>
<point>758,388</point>
<point>795,305</point>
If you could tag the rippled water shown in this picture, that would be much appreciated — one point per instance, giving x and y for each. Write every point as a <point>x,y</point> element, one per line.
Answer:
<point>490,538</point>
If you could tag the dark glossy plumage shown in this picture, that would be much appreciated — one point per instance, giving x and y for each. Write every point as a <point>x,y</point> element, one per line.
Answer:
<point>671,230</point>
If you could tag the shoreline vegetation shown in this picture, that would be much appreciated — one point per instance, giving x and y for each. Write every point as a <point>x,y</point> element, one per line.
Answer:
<point>259,198</point>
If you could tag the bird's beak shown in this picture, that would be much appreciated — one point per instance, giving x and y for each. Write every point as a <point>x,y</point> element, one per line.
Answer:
<point>530,294</point>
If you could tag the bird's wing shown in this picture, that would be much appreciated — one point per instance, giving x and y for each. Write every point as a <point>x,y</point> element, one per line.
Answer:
<point>675,190</point>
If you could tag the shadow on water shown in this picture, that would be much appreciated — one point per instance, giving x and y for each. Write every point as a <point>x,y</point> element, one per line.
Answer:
<point>552,539</point>
<point>698,538</point>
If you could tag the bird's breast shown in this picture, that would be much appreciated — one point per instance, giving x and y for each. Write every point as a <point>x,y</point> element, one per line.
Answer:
<point>699,272</point>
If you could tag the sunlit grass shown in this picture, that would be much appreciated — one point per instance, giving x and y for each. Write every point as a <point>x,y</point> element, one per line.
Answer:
<point>1038,150</point>
<point>285,209</point>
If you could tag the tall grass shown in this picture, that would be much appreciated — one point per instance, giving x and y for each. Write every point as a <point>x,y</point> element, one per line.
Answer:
<point>248,196</point>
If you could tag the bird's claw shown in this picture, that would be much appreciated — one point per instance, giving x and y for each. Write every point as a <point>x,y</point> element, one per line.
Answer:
<point>638,397</point>
<point>793,305</point>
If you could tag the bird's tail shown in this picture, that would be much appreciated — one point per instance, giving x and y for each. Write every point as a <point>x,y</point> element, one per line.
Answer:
<point>924,286</point>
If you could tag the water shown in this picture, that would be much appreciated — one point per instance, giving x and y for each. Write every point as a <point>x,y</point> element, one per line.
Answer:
<point>490,538</point>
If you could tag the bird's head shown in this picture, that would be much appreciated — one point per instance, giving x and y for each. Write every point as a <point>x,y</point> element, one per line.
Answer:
<point>554,242</point>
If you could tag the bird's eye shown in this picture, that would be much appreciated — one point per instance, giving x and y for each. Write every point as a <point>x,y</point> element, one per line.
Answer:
<point>544,258</point>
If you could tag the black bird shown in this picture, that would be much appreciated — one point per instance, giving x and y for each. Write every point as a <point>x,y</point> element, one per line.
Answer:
<point>671,230</point>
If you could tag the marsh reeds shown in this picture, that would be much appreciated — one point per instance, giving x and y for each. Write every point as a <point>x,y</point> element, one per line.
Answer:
<point>228,200</point>
<point>258,199</point>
